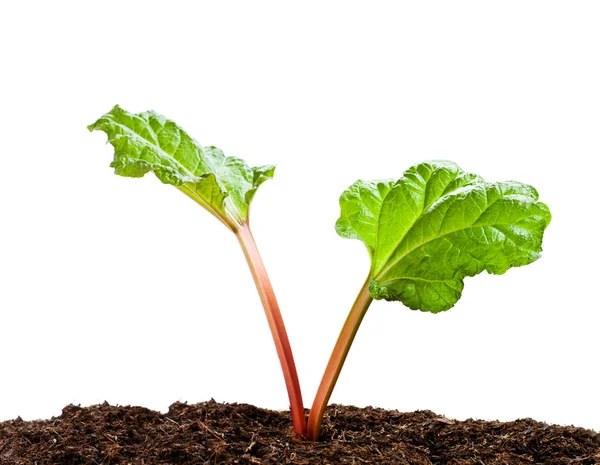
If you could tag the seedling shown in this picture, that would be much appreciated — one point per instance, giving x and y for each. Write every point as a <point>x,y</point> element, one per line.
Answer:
<point>425,232</point>
<point>225,186</point>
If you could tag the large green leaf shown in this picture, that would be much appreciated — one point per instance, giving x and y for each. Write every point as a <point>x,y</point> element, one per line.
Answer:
<point>437,225</point>
<point>147,141</point>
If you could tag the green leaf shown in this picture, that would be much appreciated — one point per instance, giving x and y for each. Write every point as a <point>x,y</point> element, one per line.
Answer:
<point>437,225</point>
<point>147,141</point>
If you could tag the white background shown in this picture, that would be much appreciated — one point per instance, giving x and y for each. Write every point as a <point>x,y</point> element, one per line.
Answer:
<point>124,290</point>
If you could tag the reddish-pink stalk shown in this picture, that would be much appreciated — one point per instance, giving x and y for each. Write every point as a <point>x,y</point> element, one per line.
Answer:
<point>282,344</point>
<point>336,361</point>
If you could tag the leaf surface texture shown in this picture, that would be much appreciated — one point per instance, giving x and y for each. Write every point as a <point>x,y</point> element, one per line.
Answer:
<point>437,225</point>
<point>147,141</point>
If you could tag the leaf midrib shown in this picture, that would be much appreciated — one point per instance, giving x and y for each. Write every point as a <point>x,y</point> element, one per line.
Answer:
<point>399,259</point>
<point>422,209</point>
<point>155,146</point>
<point>193,177</point>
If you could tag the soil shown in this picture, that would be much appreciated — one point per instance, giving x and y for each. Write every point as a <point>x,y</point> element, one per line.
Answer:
<point>214,433</point>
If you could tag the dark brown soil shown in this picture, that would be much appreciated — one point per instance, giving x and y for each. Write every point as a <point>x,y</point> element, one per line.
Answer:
<point>216,433</point>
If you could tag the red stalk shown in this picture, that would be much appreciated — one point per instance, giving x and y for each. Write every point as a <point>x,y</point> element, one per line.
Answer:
<point>282,344</point>
<point>337,359</point>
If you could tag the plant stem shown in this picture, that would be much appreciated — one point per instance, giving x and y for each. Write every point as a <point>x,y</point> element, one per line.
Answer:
<point>282,344</point>
<point>337,359</point>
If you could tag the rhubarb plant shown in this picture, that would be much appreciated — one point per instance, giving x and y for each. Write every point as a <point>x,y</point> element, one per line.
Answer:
<point>425,233</point>
<point>225,186</point>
